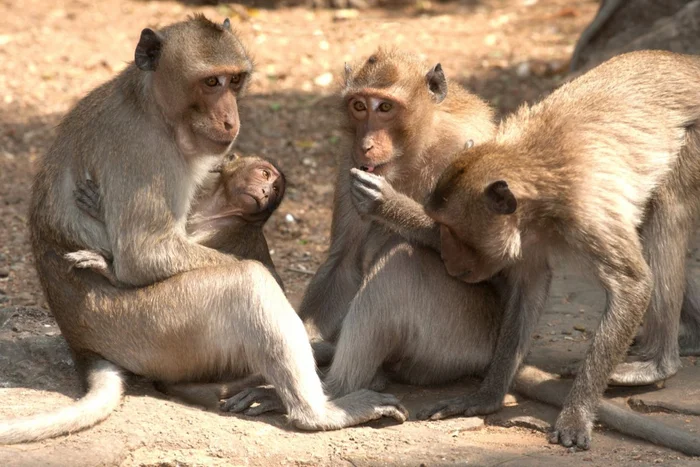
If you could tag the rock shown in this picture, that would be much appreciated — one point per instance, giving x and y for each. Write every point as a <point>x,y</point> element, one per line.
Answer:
<point>4,272</point>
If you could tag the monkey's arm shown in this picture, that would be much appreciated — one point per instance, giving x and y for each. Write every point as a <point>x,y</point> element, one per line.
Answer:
<point>148,239</point>
<point>526,290</point>
<point>375,198</point>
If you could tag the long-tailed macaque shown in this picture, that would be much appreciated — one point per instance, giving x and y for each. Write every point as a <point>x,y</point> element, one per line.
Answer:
<point>148,138</point>
<point>606,169</point>
<point>228,213</point>
<point>404,121</point>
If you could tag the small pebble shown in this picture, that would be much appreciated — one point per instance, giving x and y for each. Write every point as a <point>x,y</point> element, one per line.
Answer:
<point>289,219</point>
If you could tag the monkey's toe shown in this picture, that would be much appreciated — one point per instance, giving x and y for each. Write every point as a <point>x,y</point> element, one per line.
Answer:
<point>267,399</point>
<point>470,405</point>
<point>271,405</point>
<point>643,373</point>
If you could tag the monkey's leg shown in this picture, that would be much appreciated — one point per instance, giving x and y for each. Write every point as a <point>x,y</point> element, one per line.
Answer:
<point>218,321</point>
<point>527,289</point>
<point>409,313</point>
<point>665,235</point>
<point>328,296</point>
<point>620,266</point>
<point>689,337</point>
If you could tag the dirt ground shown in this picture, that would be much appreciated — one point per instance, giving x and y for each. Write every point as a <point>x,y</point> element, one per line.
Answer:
<point>508,51</point>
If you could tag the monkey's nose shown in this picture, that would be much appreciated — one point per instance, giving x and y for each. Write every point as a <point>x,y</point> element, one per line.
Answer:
<point>368,148</point>
<point>228,126</point>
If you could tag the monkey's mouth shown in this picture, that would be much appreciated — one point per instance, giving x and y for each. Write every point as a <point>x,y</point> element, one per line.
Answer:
<point>373,168</point>
<point>224,143</point>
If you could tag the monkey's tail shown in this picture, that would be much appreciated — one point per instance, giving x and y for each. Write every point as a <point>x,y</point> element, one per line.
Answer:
<point>105,389</point>
<point>548,388</point>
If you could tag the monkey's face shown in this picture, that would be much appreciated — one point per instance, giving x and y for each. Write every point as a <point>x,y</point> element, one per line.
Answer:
<point>479,233</point>
<point>199,70</point>
<point>253,187</point>
<point>376,120</point>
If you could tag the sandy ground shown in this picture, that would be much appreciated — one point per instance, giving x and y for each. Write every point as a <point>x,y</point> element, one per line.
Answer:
<point>508,51</point>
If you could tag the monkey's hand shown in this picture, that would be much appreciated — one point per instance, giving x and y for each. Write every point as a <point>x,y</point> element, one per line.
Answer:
<point>370,193</point>
<point>573,428</point>
<point>86,259</point>
<point>477,403</point>
<point>87,197</point>
<point>266,398</point>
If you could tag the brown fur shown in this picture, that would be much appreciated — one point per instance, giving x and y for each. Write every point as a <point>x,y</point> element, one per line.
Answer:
<point>148,138</point>
<point>418,141</point>
<point>579,173</point>
<point>228,214</point>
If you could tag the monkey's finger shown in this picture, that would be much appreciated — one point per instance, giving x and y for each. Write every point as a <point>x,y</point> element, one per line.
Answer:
<point>272,405</point>
<point>366,192</point>
<point>583,441</point>
<point>368,179</point>
<point>443,410</point>
<point>234,403</point>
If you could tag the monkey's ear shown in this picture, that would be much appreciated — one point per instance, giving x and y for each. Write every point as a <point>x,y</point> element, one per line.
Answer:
<point>148,50</point>
<point>499,198</point>
<point>227,24</point>
<point>348,73</point>
<point>437,83</point>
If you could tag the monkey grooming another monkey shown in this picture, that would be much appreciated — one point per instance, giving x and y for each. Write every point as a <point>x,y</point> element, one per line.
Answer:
<point>148,139</point>
<point>394,336</point>
<point>404,121</point>
<point>615,151</point>
<point>228,213</point>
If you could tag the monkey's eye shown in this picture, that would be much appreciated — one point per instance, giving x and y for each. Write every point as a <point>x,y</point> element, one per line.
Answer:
<point>275,188</point>
<point>211,81</point>
<point>359,106</point>
<point>385,107</point>
<point>266,174</point>
<point>237,80</point>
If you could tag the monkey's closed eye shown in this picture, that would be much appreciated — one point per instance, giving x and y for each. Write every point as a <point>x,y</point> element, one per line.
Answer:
<point>359,106</point>
<point>385,107</point>
<point>211,81</point>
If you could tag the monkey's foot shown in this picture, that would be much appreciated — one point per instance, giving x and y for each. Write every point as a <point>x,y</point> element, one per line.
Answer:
<point>266,398</point>
<point>364,406</point>
<point>86,259</point>
<point>573,428</point>
<point>477,403</point>
<point>642,373</point>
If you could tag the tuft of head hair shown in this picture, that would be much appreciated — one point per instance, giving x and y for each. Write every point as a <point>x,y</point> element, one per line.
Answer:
<point>390,70</point>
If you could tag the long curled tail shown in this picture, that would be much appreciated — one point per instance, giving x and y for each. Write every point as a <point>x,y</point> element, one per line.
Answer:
<point>105,389</point>
<point>548,388</point>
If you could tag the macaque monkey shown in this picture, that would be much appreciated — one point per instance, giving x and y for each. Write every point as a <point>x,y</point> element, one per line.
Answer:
<point>228,214</point>
<point>404,121</point>
<point>148,138</point>
<point>607,170</point>
<point>407,304</point>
